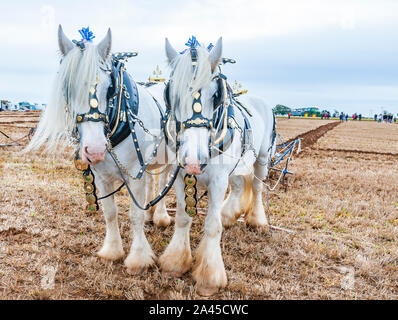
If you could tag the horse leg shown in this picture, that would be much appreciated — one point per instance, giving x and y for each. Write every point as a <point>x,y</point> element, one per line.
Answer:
<point>112,248</point>
<point>141,256</point>
<point>238,200</point>
<point>209,271</point>
<point>160,216</point>
<point>177,258</point>
<point>256,216</point>
<point>150,191</point>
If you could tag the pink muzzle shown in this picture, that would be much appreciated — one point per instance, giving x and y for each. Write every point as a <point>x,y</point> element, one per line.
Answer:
<point>192,165</point>
<point>93,155</point>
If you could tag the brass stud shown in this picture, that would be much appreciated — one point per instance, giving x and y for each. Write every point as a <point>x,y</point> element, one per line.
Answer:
<point>197,107</point>
<point>94,103</point>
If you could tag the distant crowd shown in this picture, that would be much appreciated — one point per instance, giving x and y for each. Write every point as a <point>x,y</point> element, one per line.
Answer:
<point>344,116</point>
<point>387,118</point>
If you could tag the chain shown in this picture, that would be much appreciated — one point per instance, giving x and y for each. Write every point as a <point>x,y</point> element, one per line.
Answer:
<point>122,167</point>
<point>141,124</point>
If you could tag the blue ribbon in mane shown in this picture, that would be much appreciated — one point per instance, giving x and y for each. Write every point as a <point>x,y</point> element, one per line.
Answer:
<point>192,43</point>
<point>86,34</point>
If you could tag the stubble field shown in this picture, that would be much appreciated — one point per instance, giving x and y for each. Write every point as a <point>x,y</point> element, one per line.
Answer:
<point>341,204</point>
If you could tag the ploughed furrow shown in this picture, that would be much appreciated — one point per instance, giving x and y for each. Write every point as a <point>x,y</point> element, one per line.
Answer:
<point>359,151</point>
<point>310,137</point>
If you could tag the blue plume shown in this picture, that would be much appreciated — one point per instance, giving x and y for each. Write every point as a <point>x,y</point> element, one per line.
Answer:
<point>210,46</point>
<point>192,42</point>
<point>86,34</point>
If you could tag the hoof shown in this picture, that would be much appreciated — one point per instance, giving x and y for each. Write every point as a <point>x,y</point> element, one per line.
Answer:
<point>255,223</point>
<point>206,291</point>
<point>110,255</point>
<point>163,221</point>
<point>227,222</point>
<point>136,271</point>
<point>175,265</point>
<point>136,265</point>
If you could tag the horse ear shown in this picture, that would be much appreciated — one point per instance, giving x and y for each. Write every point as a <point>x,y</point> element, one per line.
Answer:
<point>171,53</point>
<point>215,54</point>
<point>65,45</point>
<point>104,47</point>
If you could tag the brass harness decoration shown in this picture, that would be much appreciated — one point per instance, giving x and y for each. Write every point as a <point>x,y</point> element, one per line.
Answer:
<point>89,185</point>
<point>190,194</point>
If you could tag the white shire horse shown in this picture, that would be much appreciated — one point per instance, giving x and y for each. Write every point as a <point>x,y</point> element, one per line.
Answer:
<point>84,65</point>
<point>194,79</point>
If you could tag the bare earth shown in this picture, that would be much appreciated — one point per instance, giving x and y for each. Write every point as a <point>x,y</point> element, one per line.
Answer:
<point>342,206</point>
<point>289,130</point>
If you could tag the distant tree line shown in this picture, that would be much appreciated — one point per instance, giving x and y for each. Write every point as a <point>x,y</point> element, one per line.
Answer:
<point>281,109</point>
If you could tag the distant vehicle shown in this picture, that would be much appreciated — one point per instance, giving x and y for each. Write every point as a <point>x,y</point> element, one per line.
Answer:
<point>306,112</point>
<point>25,106</point>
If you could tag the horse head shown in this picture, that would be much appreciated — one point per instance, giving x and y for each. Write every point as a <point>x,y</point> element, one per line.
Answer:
<point>85,76</point>
<point>194,94</point>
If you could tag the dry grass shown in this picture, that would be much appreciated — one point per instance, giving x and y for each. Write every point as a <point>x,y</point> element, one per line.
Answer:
<point>342,206</point>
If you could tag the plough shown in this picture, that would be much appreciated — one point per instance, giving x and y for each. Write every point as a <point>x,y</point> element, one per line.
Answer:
<point>284,150</point>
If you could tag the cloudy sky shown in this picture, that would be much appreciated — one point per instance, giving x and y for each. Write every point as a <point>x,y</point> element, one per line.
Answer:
<point>333,54</point>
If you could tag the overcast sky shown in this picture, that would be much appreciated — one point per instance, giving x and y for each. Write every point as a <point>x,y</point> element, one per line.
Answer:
<point>333,54</point>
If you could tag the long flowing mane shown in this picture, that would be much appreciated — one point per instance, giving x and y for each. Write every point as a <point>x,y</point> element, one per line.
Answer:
<point>77,72</point>
<point>184,81</point>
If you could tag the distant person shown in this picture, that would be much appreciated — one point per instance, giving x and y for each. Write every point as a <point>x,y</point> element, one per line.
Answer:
<point>346,117</point>
<point>289,115</point>
<point>360,117</point>
<point>375,117</point>
<point>341,116</point>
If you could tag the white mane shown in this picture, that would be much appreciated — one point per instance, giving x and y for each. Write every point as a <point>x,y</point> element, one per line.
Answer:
<point>77,72</point>
<point>184,82</point>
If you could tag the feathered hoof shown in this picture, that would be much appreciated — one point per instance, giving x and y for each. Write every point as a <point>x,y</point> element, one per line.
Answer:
<point>209,279</point>
<point>175,264</point>
<point>136,265</point>
<point>227,221</point>
<point>137,271</point>
<point>162,221</point>
<point>110,254</point>
<point>206,291</point>
<point>256,223</point>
